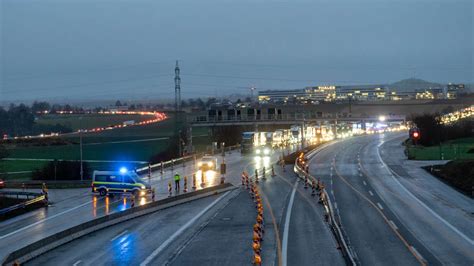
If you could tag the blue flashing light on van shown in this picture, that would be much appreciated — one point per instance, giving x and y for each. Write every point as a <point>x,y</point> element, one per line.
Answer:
<point>122,181</point>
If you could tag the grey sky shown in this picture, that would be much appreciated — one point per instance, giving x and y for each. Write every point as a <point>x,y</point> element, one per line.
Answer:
<point>70,49</point>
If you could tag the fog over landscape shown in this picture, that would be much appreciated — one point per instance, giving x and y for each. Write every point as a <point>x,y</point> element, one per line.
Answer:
<point>71,50</point>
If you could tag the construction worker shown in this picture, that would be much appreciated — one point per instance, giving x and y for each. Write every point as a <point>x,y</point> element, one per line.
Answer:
<point>177,178</point>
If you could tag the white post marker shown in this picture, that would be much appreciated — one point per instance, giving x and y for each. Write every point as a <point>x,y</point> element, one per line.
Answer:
<point>284,248</point>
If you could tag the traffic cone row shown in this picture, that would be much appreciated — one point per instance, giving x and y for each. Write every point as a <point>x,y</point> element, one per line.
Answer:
<point>313,188</point>
<point>185,184</point>
<point>305,181</point>
<point>44,191</point>
<point>258,227</point>
<point>169,189</point>
<point>194,181</point>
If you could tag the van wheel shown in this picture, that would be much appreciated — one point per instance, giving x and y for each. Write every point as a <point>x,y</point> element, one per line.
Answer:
<point>102,192</point>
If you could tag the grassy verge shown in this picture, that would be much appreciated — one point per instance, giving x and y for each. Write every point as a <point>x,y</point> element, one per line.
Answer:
<point>136,143</point>
<point>459,174</point>
<point>450,150</point>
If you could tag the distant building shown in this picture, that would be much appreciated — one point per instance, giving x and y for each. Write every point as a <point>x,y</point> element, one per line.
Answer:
<point>282,96</point>
<point>361,93</point>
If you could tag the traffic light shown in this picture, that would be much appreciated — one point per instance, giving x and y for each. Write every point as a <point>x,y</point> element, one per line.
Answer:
<point>416,135</point>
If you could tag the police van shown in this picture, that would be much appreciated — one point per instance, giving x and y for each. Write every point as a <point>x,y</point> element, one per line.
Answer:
<point>123,181</point>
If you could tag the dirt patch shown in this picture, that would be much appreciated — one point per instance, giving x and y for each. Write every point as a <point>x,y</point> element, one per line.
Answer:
<point>459,174</point>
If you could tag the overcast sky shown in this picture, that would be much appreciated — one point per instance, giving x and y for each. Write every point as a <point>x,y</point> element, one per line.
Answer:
<point>72,49</point>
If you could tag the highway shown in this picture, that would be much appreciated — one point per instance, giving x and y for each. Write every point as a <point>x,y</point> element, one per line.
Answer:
<point>75,206</point>
<point>392,211</point>
<point>184,235</point>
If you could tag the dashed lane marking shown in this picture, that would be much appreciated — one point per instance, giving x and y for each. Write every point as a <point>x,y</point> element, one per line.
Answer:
<point>371,194</point>
<point>380,205</point>
<point>119,235</point>
<point>393,225</point>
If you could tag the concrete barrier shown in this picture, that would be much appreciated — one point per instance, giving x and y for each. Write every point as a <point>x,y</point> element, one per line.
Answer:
<point>42,246</point>
<point>345,249</point>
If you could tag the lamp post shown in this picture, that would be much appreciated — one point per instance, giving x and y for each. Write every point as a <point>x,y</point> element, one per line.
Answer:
<point>80,148</point>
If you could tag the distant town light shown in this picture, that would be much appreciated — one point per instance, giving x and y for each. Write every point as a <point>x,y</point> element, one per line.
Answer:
<point>382,118</point>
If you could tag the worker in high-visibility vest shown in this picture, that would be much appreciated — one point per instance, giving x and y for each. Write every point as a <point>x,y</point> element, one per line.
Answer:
<point>177,178</point>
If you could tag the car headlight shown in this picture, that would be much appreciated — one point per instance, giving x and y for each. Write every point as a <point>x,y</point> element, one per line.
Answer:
<point>209,164</point>
<point>266,151</point>
<point>257,151</point>
<point>200,164</point>
<point>143,187</point>
<point>142,193</point>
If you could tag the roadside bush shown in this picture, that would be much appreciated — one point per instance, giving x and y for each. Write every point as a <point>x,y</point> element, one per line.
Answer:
<point>62,170</point>
<point>433,132</point>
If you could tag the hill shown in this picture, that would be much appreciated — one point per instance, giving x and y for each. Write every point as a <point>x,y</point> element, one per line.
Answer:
<point>412,84</point>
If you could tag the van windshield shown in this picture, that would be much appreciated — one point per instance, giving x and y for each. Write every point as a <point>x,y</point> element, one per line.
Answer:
<point>137,178</point>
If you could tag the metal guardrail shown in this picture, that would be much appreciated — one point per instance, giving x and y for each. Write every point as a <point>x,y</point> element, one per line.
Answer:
<point>346,251</point>
<point>36,197</point>
<point>182,160</point>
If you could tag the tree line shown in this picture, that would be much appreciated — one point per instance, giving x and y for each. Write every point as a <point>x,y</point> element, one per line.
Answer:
<point>20,120</point>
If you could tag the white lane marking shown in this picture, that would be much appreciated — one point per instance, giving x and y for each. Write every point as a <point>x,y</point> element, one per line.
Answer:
<point>119,235</point>
<point>335,205</point>
<point>365,184</point>
<point>393,225</point>
<point>284,248</point>
<point>180,231</point>
<point>46,219</point>
<point>392,174</point>
<point>380,205</point>
<point>77,263</point>
<point>371,194</point>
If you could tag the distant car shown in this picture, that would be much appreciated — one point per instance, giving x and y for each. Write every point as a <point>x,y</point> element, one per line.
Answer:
<point>263,151</point>
<point>105,182</point>
<point>207,163</point>
<point>2,183</point>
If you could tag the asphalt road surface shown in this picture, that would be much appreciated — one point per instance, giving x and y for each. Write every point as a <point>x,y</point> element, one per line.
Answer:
<point>75,206</point>
<point>222,235</point>
<point>402,216</point>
